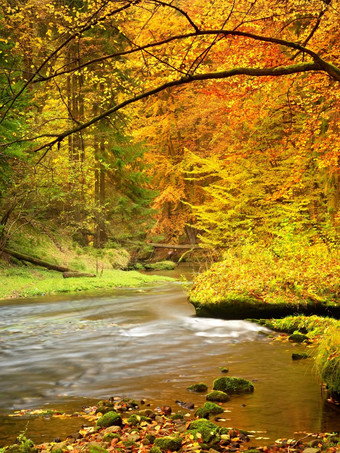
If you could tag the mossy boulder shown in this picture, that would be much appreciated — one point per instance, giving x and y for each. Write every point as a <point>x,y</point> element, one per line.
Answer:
<point>300,355</point>
<point>109,436</point>
<point>151,438</point>
<point>208,409</point>
<point>135,419</point>
<point>205,430</point>
<point>298,337</point>
<point>200,387</point>
<point>172,443</point>
<point>160,266</point>
<point>233,385</point>
<point>109,419</point>
<point>217,395</point>
<point>177,416</point>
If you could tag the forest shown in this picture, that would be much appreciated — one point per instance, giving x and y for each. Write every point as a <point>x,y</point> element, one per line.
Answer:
<point>139,134</point>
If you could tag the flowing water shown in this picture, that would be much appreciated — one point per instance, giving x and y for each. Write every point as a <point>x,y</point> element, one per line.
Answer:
<point>64,351</point>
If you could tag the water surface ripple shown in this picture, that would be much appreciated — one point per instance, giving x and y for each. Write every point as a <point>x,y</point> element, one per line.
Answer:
<point>146,343</point>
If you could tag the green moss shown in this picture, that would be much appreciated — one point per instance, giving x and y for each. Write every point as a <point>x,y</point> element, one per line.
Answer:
<point>171,443</point>
<point>224,369</point>
<point>137,419</point>
<point>96,449</point>
<point>205,430</point>
<point>208,409</point>
<point>217,395</point>
<point>155,450</point>
<point>200,387</point>
<point>130,443</point>
<point>300,355</point>
<point>109,436</point>
<point>298,337</point>
<point>233,385</point>
<point>161,266</point>
<point>37,281</point>
<point>313,325</point>
<point>151,438</point>
<point>177,417</point>
<point>109,419</point>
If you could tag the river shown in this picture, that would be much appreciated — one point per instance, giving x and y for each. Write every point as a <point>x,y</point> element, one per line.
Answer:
<point>65,351</point>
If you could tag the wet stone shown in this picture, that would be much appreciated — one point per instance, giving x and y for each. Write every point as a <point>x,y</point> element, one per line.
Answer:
<point>311,450</point>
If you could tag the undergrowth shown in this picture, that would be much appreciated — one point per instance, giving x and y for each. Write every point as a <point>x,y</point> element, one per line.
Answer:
<point>257,273</point>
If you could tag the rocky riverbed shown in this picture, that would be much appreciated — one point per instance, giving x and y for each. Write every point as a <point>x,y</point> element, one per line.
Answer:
<point>124,425</point>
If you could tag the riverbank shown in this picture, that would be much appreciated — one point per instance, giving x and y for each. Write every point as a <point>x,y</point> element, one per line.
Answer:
<point>322,335</point>
<point>254,282</point>
<point>34,281</point>
<point>20,278</point>
<point>123,425</point>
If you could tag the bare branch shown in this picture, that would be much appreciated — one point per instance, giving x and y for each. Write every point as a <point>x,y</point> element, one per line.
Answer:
<point>186,15</point>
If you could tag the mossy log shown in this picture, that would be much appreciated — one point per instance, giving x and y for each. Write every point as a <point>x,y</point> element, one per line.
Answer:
<point>77,274</point>
<point>37,261</point>
<point>67,272</point>
<point>174,246</point>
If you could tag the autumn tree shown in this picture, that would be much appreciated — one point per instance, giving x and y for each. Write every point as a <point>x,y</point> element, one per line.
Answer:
<point>180,44</point>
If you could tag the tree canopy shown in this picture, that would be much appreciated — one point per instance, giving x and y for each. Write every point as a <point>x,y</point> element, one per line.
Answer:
<point>229,110</point>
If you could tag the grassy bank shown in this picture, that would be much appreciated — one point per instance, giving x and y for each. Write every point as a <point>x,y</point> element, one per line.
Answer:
<point>255,282</point>
<point>34,281</point>
<point>324,333</point>
<point>22,279</point>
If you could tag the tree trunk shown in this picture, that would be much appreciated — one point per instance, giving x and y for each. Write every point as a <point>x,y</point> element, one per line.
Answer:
<point>30,259</point>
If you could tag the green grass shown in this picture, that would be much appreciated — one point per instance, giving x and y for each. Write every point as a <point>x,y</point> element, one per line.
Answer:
<point>34,281</point>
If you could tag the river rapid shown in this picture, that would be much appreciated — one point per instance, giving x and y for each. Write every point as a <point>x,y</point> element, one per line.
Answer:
<point>65,351</point>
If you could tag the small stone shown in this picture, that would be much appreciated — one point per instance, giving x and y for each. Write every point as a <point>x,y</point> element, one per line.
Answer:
<point>133,437</point>
<point>311,450</point>
<point>112,429</point>
<point>185,405</point>
<point>300,355</point>
<point>200,387</point>
<point>61,446</point>
<point>95,447</point>
<point>146,442</point>
<point>109,436</point>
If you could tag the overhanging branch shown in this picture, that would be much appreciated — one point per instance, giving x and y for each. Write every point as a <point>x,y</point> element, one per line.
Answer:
<point>252,72</point>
